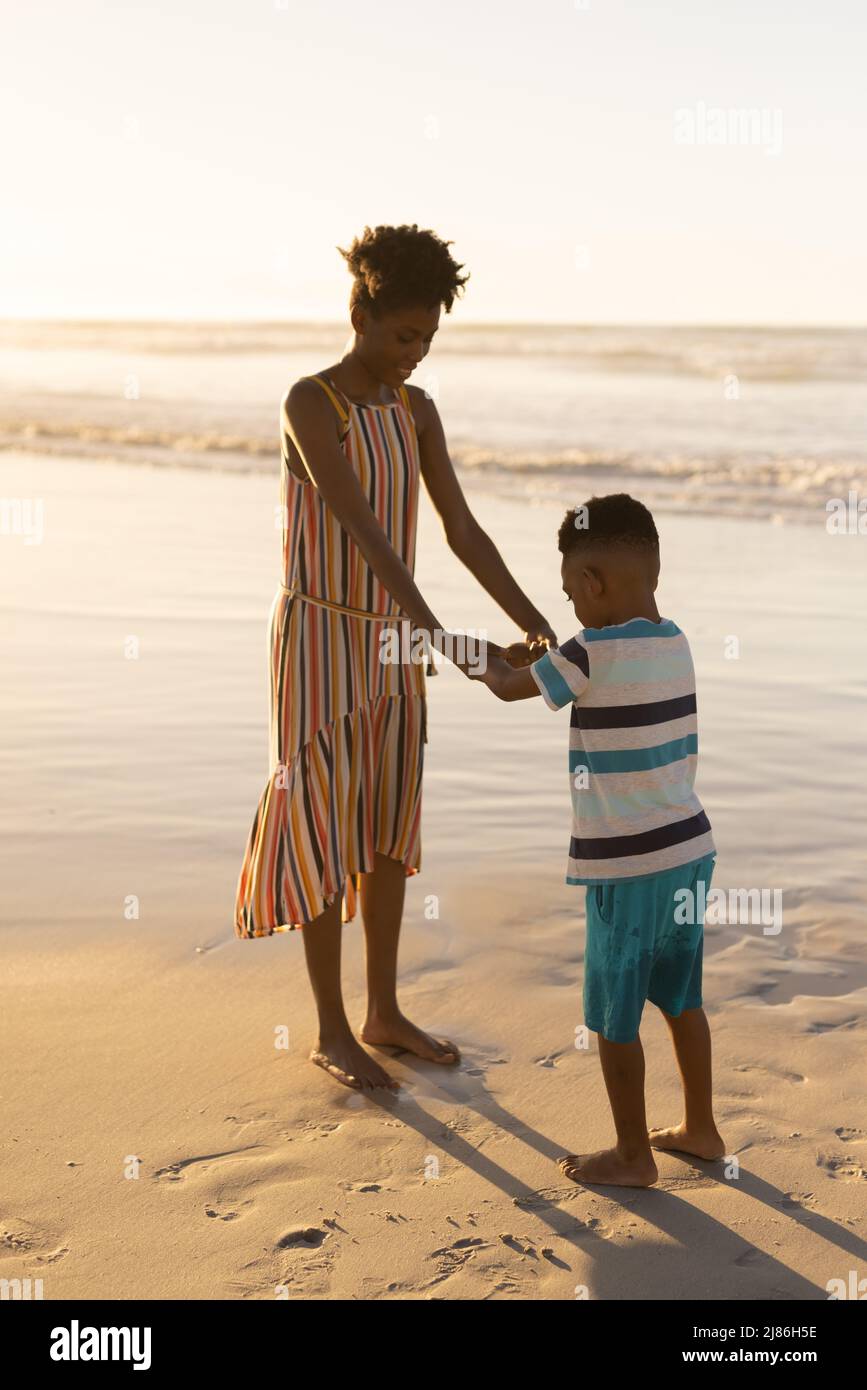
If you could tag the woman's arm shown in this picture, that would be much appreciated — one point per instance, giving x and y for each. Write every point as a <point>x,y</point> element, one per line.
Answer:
<point>472,545</point>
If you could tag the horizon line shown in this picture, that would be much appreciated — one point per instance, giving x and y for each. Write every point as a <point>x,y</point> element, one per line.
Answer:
<point>342,324</point>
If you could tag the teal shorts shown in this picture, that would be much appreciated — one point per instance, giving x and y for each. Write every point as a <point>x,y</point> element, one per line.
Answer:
<point>636,950</point>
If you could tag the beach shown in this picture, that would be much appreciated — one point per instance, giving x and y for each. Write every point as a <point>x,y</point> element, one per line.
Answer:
<point>164,1134</point>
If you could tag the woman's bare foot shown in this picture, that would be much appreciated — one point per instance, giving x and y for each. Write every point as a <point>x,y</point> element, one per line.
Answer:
<point>348,1062</point>
<point>609,1166</point>
<point>399,1032</point>
<point>701,1143</point>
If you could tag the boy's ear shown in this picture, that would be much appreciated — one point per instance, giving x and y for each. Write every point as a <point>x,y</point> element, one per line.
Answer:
<point>594,580</point>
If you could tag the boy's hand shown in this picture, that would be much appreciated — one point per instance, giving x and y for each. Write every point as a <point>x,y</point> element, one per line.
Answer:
<point>482,653</point>
<point>493,676</point>
<point>520,654</point>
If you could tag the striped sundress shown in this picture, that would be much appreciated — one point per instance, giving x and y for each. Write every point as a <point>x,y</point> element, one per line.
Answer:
<point>347,730</point>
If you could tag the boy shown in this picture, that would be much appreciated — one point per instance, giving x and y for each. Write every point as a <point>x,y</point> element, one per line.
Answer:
<point>639,833</point>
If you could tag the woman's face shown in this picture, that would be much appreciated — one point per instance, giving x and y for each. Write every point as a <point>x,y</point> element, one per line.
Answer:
<point>393,345</point>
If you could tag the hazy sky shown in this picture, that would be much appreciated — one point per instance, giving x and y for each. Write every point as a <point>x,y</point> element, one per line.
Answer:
<point>588,162</point>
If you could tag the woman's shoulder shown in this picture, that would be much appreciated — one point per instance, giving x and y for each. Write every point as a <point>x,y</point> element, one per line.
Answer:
<point>311,392</point>
<point>309,401</point>
<point>307,387</point>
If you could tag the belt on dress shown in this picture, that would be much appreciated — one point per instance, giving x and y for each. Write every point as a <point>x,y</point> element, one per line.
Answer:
<point>355,613</point>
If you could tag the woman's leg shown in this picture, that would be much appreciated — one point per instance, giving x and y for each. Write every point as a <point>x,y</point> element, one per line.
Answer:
<point>382,899</point>
<point>336,1049</point>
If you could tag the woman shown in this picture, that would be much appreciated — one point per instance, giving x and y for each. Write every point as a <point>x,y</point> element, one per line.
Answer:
<point>348,729</point>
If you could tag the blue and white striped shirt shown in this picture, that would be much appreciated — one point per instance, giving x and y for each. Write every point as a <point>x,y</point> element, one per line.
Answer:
<point>633,749</point>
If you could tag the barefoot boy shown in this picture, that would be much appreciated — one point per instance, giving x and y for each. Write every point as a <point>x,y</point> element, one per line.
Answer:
<point>641,841</point>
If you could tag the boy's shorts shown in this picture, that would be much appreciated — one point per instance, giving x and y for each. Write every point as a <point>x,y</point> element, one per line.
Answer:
<point>635,949</point>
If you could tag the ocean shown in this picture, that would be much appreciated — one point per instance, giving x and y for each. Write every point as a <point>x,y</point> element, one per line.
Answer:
<point>759,422</point>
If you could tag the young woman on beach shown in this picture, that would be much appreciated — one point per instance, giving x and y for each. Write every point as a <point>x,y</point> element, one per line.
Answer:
<point>340,816</point>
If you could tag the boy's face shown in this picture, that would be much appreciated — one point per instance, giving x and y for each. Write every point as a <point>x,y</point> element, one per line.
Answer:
<point>600,580</point>
<point>585,587</point>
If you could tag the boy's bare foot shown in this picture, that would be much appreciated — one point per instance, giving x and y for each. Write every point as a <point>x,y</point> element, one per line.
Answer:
<point>348,1062</point>
<point>701,1143</point>
<point>609,1166</point>
<point>399,1032</point>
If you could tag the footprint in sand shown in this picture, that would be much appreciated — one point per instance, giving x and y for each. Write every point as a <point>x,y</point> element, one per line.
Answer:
<point>310,1131</point>
<point>19,1237</point>
<point>848,1168</point>
<point>695,1178</point>
<point>451,1258</point>
<point>17,1241</point>
<point>797,1201</point>
<point>504,1282</point>
<point>228,1215</point>
<point>250,1115</point>
<point>773,1072</point>
<point>470,1131</point>
<point>53,1256</point>
<point>305,1236</point>
<point>550,1059</point>
<point>481,1064</point>
<point>549,1198</point>
<point>819,1026</point>
<point>176,1172</point>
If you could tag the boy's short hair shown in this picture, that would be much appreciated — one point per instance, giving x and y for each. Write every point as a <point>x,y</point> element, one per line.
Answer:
<point>615,520</point>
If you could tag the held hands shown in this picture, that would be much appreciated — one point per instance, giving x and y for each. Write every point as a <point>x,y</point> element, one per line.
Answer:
<point>476,656</point>
<point>538,634</point>
<point>499,671</point>
<point>495,665</point>
<point>536,642</point>
<point>520,654</point>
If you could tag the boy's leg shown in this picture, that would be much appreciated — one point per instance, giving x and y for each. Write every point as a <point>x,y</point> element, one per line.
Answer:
<point>630,1163</point>
<point>675,989</point>
<point>697,1132</point>
<point>616,966</point>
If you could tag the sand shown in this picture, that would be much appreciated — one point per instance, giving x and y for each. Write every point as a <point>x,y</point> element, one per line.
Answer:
<point>158,1138</point>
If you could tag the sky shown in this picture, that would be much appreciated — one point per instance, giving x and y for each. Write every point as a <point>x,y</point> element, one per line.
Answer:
<point>592,161</point>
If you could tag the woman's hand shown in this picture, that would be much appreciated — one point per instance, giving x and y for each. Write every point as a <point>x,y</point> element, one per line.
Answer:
<point>468,653</point>
<point>539,636</point>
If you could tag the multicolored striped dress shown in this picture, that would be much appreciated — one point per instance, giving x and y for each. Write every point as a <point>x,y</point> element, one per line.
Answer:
<point>348,729</point>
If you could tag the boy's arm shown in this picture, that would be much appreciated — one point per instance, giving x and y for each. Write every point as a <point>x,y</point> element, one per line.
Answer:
<point>560,676</point>
<point>563,673</point>
<point>505,681</point>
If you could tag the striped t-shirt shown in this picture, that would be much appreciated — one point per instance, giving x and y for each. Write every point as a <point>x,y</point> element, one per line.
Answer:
<point>633,749</point>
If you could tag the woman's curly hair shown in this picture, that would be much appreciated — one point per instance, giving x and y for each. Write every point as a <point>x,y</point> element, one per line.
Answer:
<point>398,267</point>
